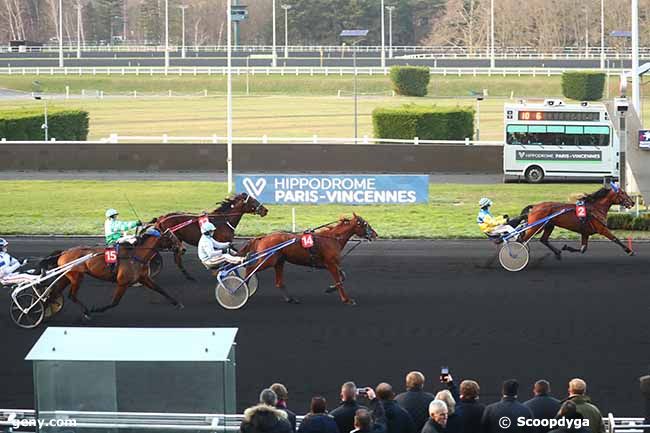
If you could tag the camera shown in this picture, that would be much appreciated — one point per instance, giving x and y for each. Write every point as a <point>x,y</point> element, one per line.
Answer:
<point>362,391</point>
<point>444,374</point>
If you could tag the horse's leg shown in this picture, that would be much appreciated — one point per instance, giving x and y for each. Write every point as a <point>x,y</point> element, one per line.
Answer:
<point>583,245</point>
<point>149,283</point>
<point>334,270</point>
<point>544,239</point>
<point>178,259</point>
<point>117,297</point>
<point>602,230</point>
<point>75,279</point>
<point>332,287</point>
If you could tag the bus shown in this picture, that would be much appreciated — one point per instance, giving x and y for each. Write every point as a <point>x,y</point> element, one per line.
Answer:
<point>557,140</point>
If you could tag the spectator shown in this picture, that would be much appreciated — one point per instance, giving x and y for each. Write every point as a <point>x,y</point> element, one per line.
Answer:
<point>584,406</point>
<point>364,422</point>
<point>501,417</point>
<point>265,418</point>
<point>344,414</point>
<point>645,391</point>
<point>398,420</point>
<point>543,405</point>
<point>283,397</point>
<point>415,400</point>
<point>454,420</point>
<point>317,420</point>
<point>468,406</point>
<point>437,421</point>
<point>568,411</point>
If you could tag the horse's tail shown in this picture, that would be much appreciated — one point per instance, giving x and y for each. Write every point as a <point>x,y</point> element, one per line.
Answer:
<point>51,261</point>
<point>525,211</point>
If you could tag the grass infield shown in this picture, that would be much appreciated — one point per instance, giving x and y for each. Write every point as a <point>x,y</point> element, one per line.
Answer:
<point>77,207</point>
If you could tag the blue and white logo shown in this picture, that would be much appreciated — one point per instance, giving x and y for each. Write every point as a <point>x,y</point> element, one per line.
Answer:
<point>342,189</point>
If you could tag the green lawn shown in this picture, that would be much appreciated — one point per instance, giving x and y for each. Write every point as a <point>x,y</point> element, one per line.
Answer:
<point>77,207</point>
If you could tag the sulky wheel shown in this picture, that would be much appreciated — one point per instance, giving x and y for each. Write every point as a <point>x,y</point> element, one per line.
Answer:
<point>232,292</point>
<point>27,311</point>
<point>514,256</point>
<point>54,305</point>
<point>252,281</point>
<point>155,265</point>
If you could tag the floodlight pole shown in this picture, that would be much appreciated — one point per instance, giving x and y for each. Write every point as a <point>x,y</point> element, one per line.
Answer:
<point>635,57</point>
<point>166,36</point>
<point>390,31</point>
<point>79,30</point>
<point>274,61</point>
<point>491,33</point>
<point>60,33</point>
<point>383,38</point>
<point>229,98</point>
<point>602,34</point>
<point>182,8</point>
<point>286,29</point>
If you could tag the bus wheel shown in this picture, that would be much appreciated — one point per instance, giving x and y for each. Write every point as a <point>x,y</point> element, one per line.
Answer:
<point>534,174</point>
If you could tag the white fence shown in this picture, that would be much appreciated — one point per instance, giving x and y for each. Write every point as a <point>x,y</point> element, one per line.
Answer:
<point>268,70</point>
<point>195,422</point>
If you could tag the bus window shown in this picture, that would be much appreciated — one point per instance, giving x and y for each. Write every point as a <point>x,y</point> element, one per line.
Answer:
<point>557,135</point>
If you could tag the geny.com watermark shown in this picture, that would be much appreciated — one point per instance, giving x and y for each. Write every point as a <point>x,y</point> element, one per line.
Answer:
<point>17,424</point>
<point>552,423</point>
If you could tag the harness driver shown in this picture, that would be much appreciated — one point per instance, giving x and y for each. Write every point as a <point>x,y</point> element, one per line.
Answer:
<point>8,267</point>
<point>213,253</point>
<point>115,232</point>
<point>490,225</point>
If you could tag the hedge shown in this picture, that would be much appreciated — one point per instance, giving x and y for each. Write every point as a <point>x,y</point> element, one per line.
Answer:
<point>623,221</point>
<point>25,125</point>
<point>410,80</point>
<point>583,85</point>
<point>424,122</point>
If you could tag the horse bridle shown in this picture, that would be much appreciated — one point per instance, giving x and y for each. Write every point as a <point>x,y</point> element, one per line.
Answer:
<point>256,211</point>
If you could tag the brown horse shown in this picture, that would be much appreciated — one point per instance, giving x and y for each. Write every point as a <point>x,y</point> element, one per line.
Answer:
<point>132,267</point>
<point>225,218</point>
<point>597,205</point>
<point>325,254</point>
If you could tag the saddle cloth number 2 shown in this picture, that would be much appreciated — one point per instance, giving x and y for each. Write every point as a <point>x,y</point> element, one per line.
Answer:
<point>581,211</point>
<point>110,256</point>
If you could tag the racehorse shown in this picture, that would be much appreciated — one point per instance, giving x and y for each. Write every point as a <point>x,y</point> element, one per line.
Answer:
<point>597,205</point>
<point>225,218</point>
<point>132,267</point>
<point>328,243</point>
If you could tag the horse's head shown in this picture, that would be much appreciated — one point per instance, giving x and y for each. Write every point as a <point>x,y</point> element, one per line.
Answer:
<point>362,228</point>
<point>245,203</point>
<point>619,196</point>
<point>163,239</point>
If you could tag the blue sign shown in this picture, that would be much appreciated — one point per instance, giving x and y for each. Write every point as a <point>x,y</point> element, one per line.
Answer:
<point>335,188</point>
<point>644,138</point>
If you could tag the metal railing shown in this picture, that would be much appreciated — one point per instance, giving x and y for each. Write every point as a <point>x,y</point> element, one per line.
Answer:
<point>196,422</point>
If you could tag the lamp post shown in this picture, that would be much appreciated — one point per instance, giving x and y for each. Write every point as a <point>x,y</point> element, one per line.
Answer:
<point>229,98</point>
<point>602,34</point>
<point>360,35</point>
<point>286,29</point>
<point>60,33</point>
<point>79,30</point>
<point>383,37</point>
<point>166,35</point>
<point>491,33</point>
<point>635,56</point>
<point>390,31</point>
<point>478,117</point>
<point>182,8</point>
<point>274,61</point>
<point>36,85</point>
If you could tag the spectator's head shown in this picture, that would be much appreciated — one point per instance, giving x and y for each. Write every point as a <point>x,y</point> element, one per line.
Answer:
<point>510,388</point>
<point>577,387</point>
<point>438,412</point>
<point>384,391</point>
<point>446,396</point>
<point>644,382</point>
<point>469,390</point>
<point>318,405</point>
<point>568,410</point>
<point>542,387</point>
<point>268,397</point>
<point>414,381</point>
<point>362,420</point>
<point>348,391</point>
<point>281,391</point>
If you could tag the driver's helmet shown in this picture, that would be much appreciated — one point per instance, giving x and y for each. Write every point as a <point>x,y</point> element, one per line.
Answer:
<point>3,245</point>
<point>484,202</point>
<point>110,213</point>
<point>208,228</point>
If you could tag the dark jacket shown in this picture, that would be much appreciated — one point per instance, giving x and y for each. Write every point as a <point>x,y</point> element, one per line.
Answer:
<point>508,408</point>
<point>543,407</point>
<point>318,423</point>
<point>416,403</point>
<point>398,420</point>
<point>344,415</point>
<point>455,423</point>
<point>432,427</point>
<point>291,415</point>
<point>265,419</point>
<point>471,414</point>
<point>589,411</point>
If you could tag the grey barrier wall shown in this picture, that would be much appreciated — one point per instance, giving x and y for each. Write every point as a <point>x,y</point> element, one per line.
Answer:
<point>253,157</point>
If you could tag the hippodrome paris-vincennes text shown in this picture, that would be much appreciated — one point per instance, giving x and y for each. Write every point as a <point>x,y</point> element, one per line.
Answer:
<point>350,190</point>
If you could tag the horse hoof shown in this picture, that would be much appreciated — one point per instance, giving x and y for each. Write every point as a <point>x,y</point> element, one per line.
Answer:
<point>330,289</point>
<point>86,317</point>
<point>350,302</point>
<point>565,247</point>
<point>180,306</point>
<point>558,257</point>
<point>631,253</point>
<point>293,301</point>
